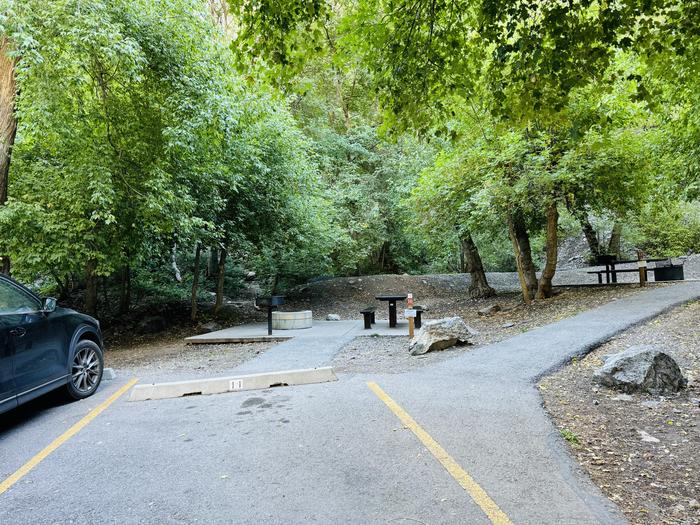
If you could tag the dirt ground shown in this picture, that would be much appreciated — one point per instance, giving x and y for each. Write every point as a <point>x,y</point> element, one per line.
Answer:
<point>386,355</point>
<point>445,296</point>
<point>389,355</point>
<point>170,354</point>
<point>441,295</point>
<point>655,480</point>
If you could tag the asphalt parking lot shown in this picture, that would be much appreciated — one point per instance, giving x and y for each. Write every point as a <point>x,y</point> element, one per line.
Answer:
<point>275,456</point>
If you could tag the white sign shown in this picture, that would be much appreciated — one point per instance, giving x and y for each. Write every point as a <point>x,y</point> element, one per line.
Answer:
<point>236,384</point>
<point>642,264</point>
<point>409,313</point>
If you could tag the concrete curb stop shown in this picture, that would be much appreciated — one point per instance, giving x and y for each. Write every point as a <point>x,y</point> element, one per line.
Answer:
<point>220,385</point>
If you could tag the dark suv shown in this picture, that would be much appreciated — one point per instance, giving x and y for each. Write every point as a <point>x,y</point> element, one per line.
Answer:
<point>43,347</point>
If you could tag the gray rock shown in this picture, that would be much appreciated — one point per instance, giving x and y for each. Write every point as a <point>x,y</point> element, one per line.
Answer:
<point>108,374</point>
<point>332,317</point>
<point>490,310</point>
<point>507,325</point>
<point>647,438</point>
<point>440,334</point>
<point>643,368</point>
<point>651,404</point>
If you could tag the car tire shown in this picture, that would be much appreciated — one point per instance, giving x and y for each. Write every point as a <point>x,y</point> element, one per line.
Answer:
<point>86,369</point>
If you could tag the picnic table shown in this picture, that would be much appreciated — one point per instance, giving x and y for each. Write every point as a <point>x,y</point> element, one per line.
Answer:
<point>611,271</point>
<point>391,299</point>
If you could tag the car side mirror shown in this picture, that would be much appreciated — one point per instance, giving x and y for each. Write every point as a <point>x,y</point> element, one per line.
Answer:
<point>48,305</point>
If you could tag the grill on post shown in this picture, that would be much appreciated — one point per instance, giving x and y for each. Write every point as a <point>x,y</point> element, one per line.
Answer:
<point>271,303</point>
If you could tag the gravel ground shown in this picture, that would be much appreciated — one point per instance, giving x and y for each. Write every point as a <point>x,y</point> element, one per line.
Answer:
<point>443,296</point>
<point>172,357</point>
<point>390,355</point>
<point>386,355</point>
<point>652,482</point>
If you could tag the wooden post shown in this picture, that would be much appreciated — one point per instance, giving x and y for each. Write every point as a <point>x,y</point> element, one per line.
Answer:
<point>409,303</point>
<point>641,257</point>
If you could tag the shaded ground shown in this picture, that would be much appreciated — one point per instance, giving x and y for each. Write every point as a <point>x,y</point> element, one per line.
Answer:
<point>166,354</point>
<point>652,482</point>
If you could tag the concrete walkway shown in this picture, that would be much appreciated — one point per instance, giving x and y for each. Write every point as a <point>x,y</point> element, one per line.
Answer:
<point>484,409</point>
<point>306,348</point>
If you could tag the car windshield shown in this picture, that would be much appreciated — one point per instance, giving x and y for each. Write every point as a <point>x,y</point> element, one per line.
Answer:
<point>14,300</point>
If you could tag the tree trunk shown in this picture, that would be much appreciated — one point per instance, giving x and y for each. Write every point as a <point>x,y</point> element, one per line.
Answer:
<point>544,289</point>
<point>523,257</point>
<point>221,273</point>
<point>62,289</point>
<point>8,126</point>
<point>469,253</point>
<point>213,262</point>
<point>91,288</point>
<point>125,291</point>
<point>590,233</point>
<point>615,238</point>
<point>195,282</point>
<point>173,260</point>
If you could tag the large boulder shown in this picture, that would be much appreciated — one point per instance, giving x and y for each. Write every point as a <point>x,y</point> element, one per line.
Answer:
<point>440,334</point>
<point>642,368</point>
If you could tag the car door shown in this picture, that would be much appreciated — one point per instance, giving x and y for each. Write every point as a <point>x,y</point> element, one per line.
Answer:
<point>38,357</point>
<point>7,383</point>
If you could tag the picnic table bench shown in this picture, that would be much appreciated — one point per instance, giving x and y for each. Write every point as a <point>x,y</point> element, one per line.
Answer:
<point>368,315</point>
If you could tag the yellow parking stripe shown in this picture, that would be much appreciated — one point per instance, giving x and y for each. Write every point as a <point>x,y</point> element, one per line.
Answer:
<point>479,495</point>
<point>72,431</point>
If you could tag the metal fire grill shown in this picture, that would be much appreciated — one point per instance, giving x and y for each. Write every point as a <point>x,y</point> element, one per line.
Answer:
<point>271,303</point>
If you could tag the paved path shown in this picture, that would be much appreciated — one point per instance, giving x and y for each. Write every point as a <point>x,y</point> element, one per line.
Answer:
<point>330,453</point>
<point>483,407</point>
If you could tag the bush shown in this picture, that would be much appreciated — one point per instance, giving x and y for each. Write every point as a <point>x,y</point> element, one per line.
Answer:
<point>667,227</point>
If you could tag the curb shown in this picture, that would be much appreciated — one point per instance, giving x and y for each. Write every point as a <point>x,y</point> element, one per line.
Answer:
<point>220,385</point>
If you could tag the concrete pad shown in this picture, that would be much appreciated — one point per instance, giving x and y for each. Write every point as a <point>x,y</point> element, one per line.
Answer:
<point>220,385</point>
<point>256,332</point>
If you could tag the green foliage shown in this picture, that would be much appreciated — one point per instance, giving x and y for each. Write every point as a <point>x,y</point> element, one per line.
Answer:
<point>142,129</point>
<point>572,438</point>
<point>668,227</point>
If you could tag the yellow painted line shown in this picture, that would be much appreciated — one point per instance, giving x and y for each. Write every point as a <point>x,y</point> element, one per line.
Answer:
<point>479,495</point>
<point>72,431</point>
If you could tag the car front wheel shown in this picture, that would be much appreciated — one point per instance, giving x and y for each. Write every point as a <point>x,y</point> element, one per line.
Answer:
<point>86,370</point>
